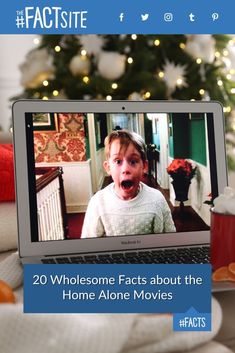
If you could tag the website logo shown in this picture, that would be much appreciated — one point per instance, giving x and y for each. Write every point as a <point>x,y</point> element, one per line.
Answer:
<point>50,17</point>
<point>168,17</point>
<point>144,17</point>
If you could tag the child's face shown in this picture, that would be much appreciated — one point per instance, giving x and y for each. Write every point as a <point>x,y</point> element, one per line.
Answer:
<point>126,168</point>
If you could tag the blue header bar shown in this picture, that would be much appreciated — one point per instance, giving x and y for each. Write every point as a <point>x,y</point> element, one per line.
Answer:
<point>120,17</point>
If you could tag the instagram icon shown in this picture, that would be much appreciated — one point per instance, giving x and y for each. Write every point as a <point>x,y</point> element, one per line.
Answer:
<point>168,17</point>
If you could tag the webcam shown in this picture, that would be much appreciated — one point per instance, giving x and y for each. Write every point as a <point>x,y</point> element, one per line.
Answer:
<point>123,108</point>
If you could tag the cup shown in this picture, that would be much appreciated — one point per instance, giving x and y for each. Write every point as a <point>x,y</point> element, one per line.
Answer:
<point>222,239</point>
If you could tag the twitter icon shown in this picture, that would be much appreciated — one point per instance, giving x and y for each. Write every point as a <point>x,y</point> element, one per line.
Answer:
<point>144,17</point>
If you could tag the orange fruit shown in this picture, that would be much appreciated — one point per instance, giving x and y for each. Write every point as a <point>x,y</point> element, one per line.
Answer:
<point>224,274</point>
<point>231,276</point>
<point>231,267</point>
<point>221,274</point>
<point>6,293</point>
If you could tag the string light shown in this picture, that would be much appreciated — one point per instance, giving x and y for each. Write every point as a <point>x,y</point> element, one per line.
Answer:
<point>57,48</point>
<point>114,85</point>
<point>55,93</point>
<point>147,95</point>
<point>217,54</point>
<point>134,36</point>
<point>45,98</point>
<point>227,109</point>
<point>201,91</point>
<point>36,41</point>
<point>192,100</point>
<point>225,52</point>
<point>157,42</point>
<point>198,61</point>
<point>220,83</point>
<point>130,60</point>
<point>232,90</point>
<point>36,95</point>
<point>161,74</point>
<point>182,45</point>
<point>83,52</point>
<point>232,71</point>
<point>108,98</point>
<point>179,81</point>
<point>86,79</point>
<point>45,83</point>
<point>229,76</point>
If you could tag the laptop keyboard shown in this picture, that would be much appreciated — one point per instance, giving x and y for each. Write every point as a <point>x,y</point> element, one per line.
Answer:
<point>193,255</point>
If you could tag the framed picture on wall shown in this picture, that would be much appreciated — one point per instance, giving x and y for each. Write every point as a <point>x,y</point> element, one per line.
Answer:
<point>45,121</point>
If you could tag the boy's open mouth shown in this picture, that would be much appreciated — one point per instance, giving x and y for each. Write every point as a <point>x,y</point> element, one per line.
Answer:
<point>127,184</point>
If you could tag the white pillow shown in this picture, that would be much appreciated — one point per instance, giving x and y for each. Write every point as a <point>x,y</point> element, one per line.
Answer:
<point>8,226</point>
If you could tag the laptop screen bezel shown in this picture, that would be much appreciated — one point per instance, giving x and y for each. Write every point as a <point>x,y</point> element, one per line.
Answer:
<point>27,248</point>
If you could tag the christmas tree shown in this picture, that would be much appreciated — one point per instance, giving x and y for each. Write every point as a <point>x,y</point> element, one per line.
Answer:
<point>188,67</point>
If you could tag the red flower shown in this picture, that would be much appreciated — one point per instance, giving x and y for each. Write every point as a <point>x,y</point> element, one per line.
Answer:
<point>181,168</point>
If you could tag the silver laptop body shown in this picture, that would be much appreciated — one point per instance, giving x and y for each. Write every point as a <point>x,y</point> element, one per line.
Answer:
<point>135,114</point>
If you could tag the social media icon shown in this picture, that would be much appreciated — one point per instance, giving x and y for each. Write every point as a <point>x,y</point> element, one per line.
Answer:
<point>192,17</point>
<point>121,16</point>
<point>215,16</point>
<point>144,17</point>
<point>168,17</point>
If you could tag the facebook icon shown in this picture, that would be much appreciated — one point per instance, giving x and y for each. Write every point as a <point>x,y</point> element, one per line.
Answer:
<point>121,16</point>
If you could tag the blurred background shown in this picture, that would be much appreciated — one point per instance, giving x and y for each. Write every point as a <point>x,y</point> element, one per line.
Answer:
<point>135,67</point>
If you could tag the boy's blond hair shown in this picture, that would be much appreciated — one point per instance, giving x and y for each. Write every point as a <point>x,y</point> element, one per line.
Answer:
<point>126,138</point>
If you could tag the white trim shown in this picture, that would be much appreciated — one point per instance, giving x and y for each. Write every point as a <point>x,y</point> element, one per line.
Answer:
<point>92,144</point>
<point>76,208</point>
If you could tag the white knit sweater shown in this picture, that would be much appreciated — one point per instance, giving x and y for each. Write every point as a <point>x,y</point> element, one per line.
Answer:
<point>108,215</point>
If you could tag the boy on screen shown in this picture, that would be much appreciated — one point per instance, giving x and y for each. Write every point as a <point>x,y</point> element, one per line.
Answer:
<point>127,206</point>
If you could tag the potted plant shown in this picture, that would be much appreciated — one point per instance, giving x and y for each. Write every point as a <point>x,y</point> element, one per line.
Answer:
<point>181,171</point>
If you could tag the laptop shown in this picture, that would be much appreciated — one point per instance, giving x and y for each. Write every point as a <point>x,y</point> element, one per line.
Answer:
<point>59,155</point>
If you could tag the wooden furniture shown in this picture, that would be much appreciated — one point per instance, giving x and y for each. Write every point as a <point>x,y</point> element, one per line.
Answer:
<point>51,207</point>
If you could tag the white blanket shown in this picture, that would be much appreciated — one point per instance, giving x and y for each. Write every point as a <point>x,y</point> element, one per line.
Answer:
<point>8,227</point>
<point>96,333</point>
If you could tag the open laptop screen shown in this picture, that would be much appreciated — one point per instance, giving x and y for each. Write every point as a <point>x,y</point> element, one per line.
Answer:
<point>78,191</point>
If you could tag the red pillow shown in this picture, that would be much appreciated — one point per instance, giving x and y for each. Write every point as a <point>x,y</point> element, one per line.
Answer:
<point>7,187</point>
